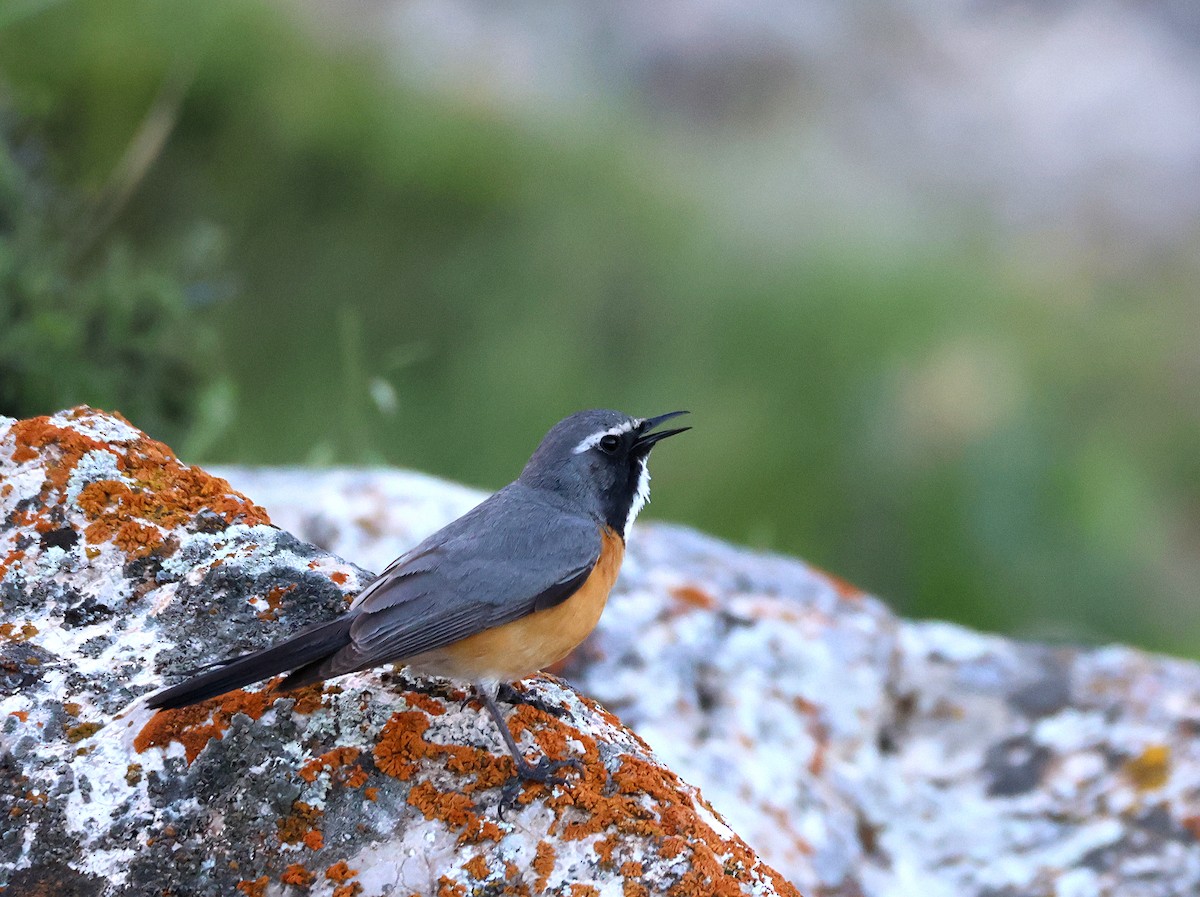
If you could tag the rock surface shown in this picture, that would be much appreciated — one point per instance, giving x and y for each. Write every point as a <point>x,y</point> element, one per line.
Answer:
<point>119,565</point>
<point>858,753</point>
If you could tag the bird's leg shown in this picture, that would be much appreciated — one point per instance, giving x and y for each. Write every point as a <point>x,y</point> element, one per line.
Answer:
<point>543,771</point>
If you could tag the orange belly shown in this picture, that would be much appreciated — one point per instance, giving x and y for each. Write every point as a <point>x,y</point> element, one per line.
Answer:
<point>535,641</point>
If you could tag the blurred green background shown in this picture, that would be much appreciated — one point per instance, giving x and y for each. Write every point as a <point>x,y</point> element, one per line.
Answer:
<point>263,247</point>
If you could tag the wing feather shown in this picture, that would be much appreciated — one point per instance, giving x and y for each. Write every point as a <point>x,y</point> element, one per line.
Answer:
<point>480,572</point>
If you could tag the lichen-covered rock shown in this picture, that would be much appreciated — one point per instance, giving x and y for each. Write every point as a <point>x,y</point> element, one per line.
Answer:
<point>858,753</point>
<point>119,565</point>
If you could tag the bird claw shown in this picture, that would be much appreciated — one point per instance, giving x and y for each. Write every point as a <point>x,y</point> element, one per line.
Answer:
<point>507,693</point>
<point>542,772</point>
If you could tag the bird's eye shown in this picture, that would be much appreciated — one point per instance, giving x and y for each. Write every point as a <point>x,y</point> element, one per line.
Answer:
<point>609,443</point>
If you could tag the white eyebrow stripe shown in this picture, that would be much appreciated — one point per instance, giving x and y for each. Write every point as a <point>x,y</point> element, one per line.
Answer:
<point>592,441</point>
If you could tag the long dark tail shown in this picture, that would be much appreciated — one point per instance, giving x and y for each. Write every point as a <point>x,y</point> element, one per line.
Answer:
<point>303,652</point>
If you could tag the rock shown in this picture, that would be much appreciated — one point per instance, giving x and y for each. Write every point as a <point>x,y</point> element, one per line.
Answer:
<point>121,566</point>
<point>858,753</point>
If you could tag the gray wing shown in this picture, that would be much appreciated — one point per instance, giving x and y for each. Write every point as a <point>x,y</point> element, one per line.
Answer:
<point>513,554</point>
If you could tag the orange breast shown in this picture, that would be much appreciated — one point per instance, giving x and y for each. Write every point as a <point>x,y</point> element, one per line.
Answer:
<point>533,642</point>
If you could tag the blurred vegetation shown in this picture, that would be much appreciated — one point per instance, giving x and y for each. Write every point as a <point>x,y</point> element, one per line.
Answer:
<point>422,281</point>
<point>83,316</point>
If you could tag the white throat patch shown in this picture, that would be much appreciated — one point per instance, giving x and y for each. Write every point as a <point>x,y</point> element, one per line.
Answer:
<point>640,498</point>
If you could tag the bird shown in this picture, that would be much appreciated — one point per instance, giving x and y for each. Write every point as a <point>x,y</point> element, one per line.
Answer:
<point>505,590</point>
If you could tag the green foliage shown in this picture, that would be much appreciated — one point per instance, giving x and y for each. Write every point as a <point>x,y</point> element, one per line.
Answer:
<point>103,328</point>
<point>429,283</point>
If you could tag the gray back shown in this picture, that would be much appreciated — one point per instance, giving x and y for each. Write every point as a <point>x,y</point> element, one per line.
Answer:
<point>510,555</point>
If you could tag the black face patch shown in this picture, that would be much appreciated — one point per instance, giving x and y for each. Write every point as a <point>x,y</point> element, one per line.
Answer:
<point>621,475</point>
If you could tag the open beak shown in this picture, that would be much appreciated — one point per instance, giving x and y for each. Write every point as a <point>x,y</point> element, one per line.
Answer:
<point>646,440</point>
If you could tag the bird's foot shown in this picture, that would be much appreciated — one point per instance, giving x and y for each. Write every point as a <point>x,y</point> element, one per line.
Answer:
<point>543,773</point>
<point>544,770</point>
<point>509,694</point>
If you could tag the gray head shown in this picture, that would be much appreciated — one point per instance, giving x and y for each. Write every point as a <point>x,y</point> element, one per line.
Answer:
<point>597,460</point>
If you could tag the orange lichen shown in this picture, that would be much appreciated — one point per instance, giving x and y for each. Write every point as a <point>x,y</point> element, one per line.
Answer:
<point>543,864</point>
<point>195,726</point>
<point>423,702</point>
<point>604,850</point>
<point>371,793</point>
<point>783,818</point>
<point>10,632</point>
<point>551,739</point>
<point>476,867</point>
<point>1151,768</point>
<point>156,492</point>
<point>401,748</point>
<point>1192,824</point>
<point>611,718</point>
<point>847,590</point>
<point>347,890</point>
<point>96,499</point>
<point>330,761</point>
<point>693,596</point>
<point>487,770</point>
<point>10,559</point>
<point>340,872</point>
<point>256,888</point>
<point>297,875</point>
<point>672,847</point>
<point>632,888</point>
<point>310,698</point>
<point>339,577</point>
<point>455,810</point>
<point>314,840</point>
<point>82,731</point>
<point>298,827</point>
<point>638,803</point>
<point>274,600</point>
<point>448,887</point>
<point>22,715</point>
<point>816,763</point>
<point>135,539</point>
<point>578,890</point>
